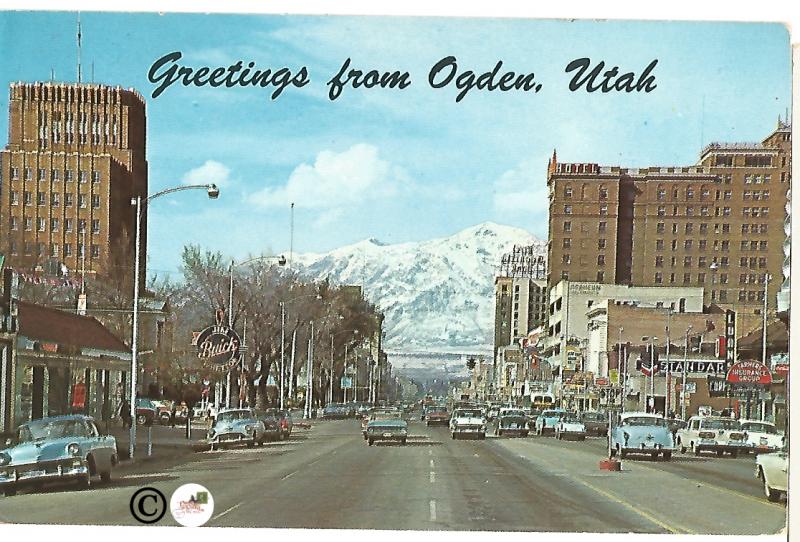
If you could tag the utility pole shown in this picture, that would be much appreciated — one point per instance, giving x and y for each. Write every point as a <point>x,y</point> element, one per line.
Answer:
<point>309,369</point>
<point>283,348</point>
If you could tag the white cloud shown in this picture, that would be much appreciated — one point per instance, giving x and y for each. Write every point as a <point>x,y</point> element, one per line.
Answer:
<point>522,190</point>
<point>211,172</point>
<point>336,179</point>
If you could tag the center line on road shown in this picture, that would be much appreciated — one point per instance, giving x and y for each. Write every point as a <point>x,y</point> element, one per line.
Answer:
<point>231,509</point>
<point>433,510</point>
<point>430,452</point>
<point>433,477</point>
<point>289,475</point>
<point>431,463</point>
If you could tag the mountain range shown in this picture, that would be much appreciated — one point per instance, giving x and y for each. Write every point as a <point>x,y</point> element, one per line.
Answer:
<point>437,295</point>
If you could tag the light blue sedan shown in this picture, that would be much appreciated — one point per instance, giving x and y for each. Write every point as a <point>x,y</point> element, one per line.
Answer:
<point>57,449</point>
<point>546,421</point>
<point>237,425</point>
<point>641,433</point>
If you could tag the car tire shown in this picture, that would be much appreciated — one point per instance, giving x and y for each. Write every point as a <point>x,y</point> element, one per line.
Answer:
<point>499,432</point>
<point>772,494</point>
<point>481,436</point>
<point>10,491</point>
<point>695,449</point>
<point>667,456</point>
<point>734,454</point>
<point>654,456</point>
<point>83,482</point>
<point>453,436</point>
<point>105,477</point>
<point>403,442</point>
<point>582,437</point>
<point>524,433</point>
<point>370,442</point>
<point>141,419</point>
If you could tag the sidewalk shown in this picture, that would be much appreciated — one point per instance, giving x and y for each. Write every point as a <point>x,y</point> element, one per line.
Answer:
<point>166,441</point>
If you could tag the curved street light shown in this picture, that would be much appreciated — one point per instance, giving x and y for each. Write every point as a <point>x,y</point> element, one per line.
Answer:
<point>283,340</point>
<point>213,193</point>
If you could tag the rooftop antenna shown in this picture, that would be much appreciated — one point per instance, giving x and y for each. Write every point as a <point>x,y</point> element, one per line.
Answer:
<point>79,47</point>
<point>52,75</point>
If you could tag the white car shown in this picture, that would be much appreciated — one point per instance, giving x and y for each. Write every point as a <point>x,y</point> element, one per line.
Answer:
<point>468,422</point>
<point>762,436</point>
<point>712,433</point>
<point>570,427</point>
<point>773,470</point>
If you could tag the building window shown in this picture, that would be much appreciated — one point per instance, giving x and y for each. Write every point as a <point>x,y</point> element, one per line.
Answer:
<point>687,245</point>
<point>83,176</point>
<point>13,247</point>
<point>54,175</point>
<point>601,244</point>
<point>659,244</point>
<point>662,210</point>
<point>12,223</point>
<point>567,226</point>
<point>40,198</point>
<point>82,201</point>
<point>746,212</point>
<point>42,174</point>
<point>701,245</point>
<point>14,173</point>
<point>604,210</point>
<point>687,261</point>
<point>762,228</point>
<point>659,278</point>
<point>674,244</point>
<point>704,210</point>
<point>601,227</point>
<point>53,249</point>
<point>67,249</point>
<point>689,227</point>
<point>690,211</point>
<point>724,261</point>
<point>603,192</point>
<point>690,193</point>
<point>95,176</point>
<point>703,228</point>
<point>659,261</point>
<point>701,261</point>
<point>566,242</point>
<point>723,278</point>
<point>687,278</point>
<point>701,278</point>
<point>661,194</point>
<point>68,176</point>
<point>565,259</point>
<point>67,225</point>
<point>28,198</point>
<point>601,259</point>
<point>762,245</point>
<point>726,246</point>
<point>28,224</point>
<point>95,251</point>
<point>28,248</point>
<point>705,193</point>
<point>567,209</point>
<point>660,227</point>
<point>726,228</point>
<point>96,201</point>
<point>95,226</point>
<point>28,174</point>
<point>54,224</point>
<point>600,276</point>
<point>81,225</point>
<point>40,224</point>
<point>67,200</point>
<point>14,198</point>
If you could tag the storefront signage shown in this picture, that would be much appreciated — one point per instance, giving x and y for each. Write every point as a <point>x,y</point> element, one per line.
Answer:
<point>749,372</point>
<point>730,338</point>
<point>781,369</point>
<point>710,366</point>
<point>218,347</point>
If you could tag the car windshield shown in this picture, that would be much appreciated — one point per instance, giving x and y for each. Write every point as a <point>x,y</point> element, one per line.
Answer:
<point>644,420</point>
<point>234,415</point>
<point>552,414</point>
<point>513,413</point>
<point>386,416</point>
<point>594,416</point>
<point>46,430</point>
<point>535,412</point>
<point>757,427</point>
<point>719,424</point>
<point>471,413</point>
<point>570,418</point>
<point>437,410</point>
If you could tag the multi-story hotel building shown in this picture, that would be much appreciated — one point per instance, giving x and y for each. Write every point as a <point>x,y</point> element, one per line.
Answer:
<point>718,224</point>
<point>75,157</point>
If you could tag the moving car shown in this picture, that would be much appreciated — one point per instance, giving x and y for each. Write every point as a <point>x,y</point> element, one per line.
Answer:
<point>512,420</point>
<point>237,425</point>
<point>55,450</point>
<point>468,422</point>
<point>384,427</point>
<point>714,434</point>
<point>641,433</point>
<point>596,423</point>
<point>272,427</point>
<point>146,411</point>
<point>773,470</point>
<point>336,411</point>
<point>570,426</point>
<point>437,415</point>
<point>762,436</point>
<point>379,414</point>
<point>547,420</point>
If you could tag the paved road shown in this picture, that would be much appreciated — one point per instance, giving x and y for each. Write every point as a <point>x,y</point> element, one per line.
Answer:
<point>328,477</point>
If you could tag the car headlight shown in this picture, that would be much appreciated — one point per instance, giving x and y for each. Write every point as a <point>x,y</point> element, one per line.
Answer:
<point>73,448</point>
<point>5,459</point>
<point>248,428</point>
<point>627,436</point>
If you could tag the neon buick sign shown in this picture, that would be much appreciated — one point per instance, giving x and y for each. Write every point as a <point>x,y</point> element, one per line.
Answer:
<point>218,347</point>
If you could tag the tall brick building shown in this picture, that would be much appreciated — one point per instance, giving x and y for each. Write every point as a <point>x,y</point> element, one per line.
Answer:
<point>75,157</point>
<point>717,224</point>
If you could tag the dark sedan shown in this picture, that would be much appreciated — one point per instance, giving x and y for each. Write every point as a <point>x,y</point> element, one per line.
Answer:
<point>596,423</point>
<point>512,421</point>
<point>271,421</point>
<point>336,411</point>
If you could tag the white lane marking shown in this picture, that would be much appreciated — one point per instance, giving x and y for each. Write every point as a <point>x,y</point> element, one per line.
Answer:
<point>430,452</point>
<point>433,477</point>
<point>231,509</point>
<point>431,463</point>
<point>289,475</point>
<point>433,510</point>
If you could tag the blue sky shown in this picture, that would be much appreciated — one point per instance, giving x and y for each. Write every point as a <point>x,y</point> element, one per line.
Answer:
<point>399,165</point>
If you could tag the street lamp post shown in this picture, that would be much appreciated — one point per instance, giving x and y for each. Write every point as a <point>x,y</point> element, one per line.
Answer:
<point>683,376</point>
<point>213,193</point>
<point>621,368</point>
<point>281,261</point>
<point>767,278</point>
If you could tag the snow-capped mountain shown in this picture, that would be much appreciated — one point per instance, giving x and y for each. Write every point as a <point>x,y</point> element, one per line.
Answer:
<point>436,294</point>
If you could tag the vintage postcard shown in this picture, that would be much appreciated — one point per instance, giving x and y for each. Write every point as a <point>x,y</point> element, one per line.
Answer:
<point>395,273</point>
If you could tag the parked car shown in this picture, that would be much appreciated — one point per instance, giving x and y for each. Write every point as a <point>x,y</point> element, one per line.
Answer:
<point>146,411</point>
<point>547,420</point>
<point>492,412</point>
<point>56,450</point>
<point>533,414</point>
<point>437,415</point>
<point>570,426</point>
<point>467,422</point>
<point>272,426</point>
<point>163,411</point>
<point>512,421</point>
<point>596,423</point>
<point>762,436</point>
<point>675,425</point>
<point>336,411</point>
<point>641,433</point>
<point>382,427</point>
<point>236,425</point>
<point>714,434</point>
<point>773,470</point>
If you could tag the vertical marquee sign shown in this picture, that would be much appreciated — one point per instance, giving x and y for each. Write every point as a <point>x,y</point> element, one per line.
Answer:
<point>218,346</point>
<point>730,339</point>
